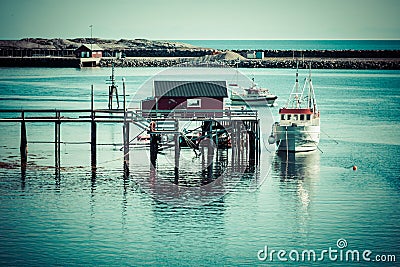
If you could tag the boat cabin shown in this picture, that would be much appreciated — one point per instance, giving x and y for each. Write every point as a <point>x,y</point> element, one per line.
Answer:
<point>298,116</point>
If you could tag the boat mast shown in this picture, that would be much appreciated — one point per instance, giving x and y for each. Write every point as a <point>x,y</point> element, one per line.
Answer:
<point>312,99</point>
<point>297,85</point>
<point>310,89</point>
<point>294,94</point>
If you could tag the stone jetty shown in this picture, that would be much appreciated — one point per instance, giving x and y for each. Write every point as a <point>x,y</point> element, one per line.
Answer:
<point>37,52</point>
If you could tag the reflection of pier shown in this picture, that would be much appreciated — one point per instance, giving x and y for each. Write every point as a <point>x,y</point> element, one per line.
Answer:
<point>240,130</point>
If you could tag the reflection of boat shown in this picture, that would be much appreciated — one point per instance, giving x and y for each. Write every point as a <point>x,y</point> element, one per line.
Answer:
<point>299,173</point>
<point>298,165</point>
<point>299,127</point>
<point>253,96</point>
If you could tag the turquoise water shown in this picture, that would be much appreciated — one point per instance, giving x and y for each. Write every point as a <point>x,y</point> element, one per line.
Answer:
<point>298,44</point>
<point>305,202</point>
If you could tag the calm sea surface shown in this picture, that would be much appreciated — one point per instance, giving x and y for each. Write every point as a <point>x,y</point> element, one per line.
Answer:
<point>298,44</point>
<point>306,202</point>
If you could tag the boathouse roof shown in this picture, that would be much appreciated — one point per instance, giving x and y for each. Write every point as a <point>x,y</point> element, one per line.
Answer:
<point>212,89</point>
<point>90,47</point>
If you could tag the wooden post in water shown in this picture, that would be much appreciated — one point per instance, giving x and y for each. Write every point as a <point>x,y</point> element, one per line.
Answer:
<point>177,152</point>
<point>233,144</point>
<point>93,144</point>
<point>210,150</point>
<point>57,142</point>
<point>126,134</point>
<point>252,148</point>
<point>93,133</point>
<point>126,145</point>
<point>258,140</point>
<point>23,148</point>
<point>153,144</point>
<point>238,144</point>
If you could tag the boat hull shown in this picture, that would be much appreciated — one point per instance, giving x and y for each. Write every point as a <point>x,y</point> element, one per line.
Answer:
<point>253,101</point>
<point>297,138</point>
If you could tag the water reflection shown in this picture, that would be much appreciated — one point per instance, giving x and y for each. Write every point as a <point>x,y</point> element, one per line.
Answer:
<point>300,166</point>
<point>177,229</point>
<point>298,174</point>
<point>201,180</point>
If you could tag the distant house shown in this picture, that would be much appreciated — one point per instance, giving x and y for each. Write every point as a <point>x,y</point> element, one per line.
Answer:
<point>203,98</point>
<point>89,51</point>
<point>255,55</point>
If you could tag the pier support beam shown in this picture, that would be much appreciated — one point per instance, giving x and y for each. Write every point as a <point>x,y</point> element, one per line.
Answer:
<point>252,149</point>
<point>126,145</point>
<point>210,158</point>
<point>177,157</point>
<point>238,149</point>
<point>93,134</point>
<point>23,148</point>
<point>126,134</point>
<point>93,145</point>
<point>153,148</point>
<point>57,142</point>
<point>258,140</point>
<point>177,152</point>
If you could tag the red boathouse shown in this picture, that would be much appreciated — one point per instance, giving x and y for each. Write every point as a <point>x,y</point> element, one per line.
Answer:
<point>201,98</point>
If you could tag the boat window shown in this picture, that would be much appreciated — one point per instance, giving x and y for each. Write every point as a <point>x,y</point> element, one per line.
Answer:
<point>288,117</point>
<point>295,117</point>
<point>308,117</point>
<point>282,117</point>
<point>302,117</point>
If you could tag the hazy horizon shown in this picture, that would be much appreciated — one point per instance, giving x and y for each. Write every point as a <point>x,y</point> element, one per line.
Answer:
<point>206,20</point>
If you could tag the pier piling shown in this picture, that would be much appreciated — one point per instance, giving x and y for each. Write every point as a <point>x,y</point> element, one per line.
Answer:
<point>153,148</point>
<point>93,134</point>
<point>126,134</point>
<point>23,148</point>
<point>93,144</point>
<point>57,141</point>
<point>177,152</point>
<point>126,145</point>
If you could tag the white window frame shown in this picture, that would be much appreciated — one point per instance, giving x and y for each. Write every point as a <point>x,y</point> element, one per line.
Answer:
<point>194,103</point>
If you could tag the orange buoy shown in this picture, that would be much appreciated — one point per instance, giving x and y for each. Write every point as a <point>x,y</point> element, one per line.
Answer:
<point>354,167</point>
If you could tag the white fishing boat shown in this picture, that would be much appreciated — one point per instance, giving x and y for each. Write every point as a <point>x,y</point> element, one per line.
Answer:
<point>298,129</point>
<point>253,96</point>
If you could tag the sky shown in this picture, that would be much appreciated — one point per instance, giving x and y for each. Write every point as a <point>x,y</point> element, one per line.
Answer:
<point>201,19</point>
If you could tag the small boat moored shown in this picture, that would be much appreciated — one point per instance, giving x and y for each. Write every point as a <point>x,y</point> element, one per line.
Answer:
<point>254,96</point>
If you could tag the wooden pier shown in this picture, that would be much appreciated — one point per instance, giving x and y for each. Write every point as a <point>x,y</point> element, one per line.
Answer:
<point>242,126</point>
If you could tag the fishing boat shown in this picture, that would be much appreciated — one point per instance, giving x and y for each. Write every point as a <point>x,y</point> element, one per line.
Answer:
<point>298,129</point>
<point>253,96</point>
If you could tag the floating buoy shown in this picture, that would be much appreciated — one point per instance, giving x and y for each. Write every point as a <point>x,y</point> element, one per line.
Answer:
<point>354,167</point>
